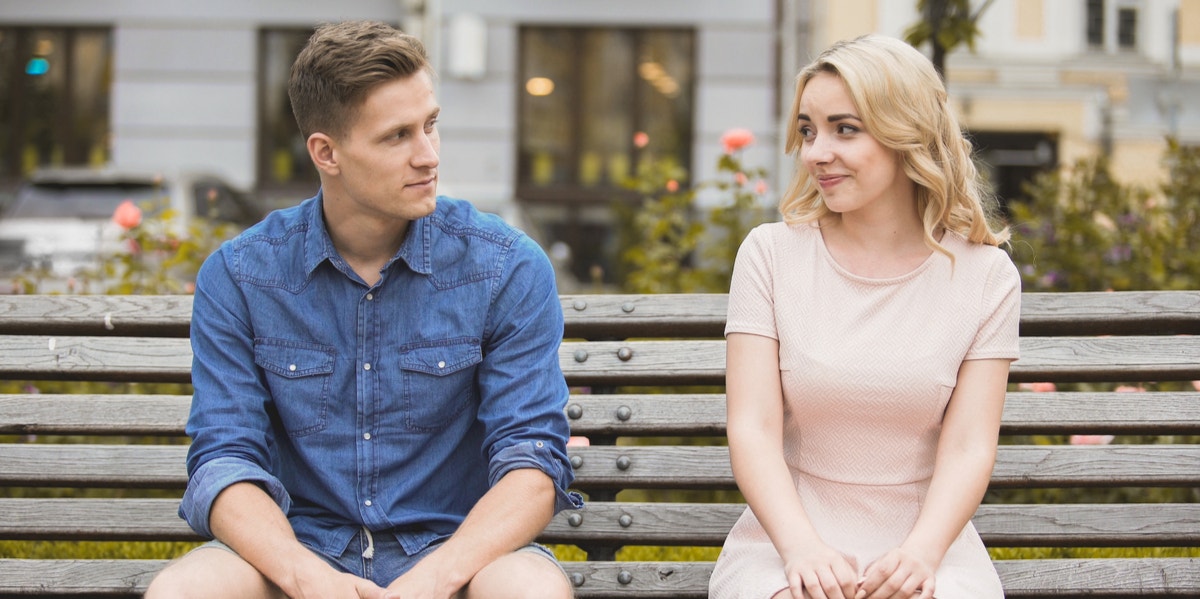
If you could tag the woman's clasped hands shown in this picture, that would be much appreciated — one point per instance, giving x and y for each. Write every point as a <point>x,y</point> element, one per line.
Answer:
<point>824,573</point>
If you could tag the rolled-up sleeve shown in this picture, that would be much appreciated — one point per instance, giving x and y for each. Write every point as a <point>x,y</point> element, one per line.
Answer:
<point>523,392</point>
<point>215,476</point>
<point>229,423</point>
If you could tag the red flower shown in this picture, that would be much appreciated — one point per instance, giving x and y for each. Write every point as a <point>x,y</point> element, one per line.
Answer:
<point>1091,439</point>
<point>641,139</point>
<point>736,139</point>
<point>672,186</point>
<point>127,215</point>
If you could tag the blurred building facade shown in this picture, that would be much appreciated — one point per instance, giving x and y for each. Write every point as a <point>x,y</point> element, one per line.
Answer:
<point>549,104</point>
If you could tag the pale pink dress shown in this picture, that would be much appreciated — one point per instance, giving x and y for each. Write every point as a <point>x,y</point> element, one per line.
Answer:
<point>867,368</point>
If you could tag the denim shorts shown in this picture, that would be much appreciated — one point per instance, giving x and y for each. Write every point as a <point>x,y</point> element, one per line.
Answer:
<point>378,557</point>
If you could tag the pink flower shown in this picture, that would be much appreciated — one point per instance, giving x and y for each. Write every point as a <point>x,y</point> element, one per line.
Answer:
<point>1129,389</point>
<point>761,187</point>
<point>1091,439</point>
<point>641,139</point>
<point>1037,387</point>
<point>672,186</point>
<point>1196,385</point>
<point>127,215</point>
<point>578,442</point>
<point>189,287</point>
<point>736,139</point>
<point>740,177</point>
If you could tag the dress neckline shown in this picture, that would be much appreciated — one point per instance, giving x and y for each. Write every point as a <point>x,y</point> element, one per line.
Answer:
<point>843,271</point>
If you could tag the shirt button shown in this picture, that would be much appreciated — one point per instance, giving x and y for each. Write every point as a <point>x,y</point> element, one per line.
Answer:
<point>367,366</point>
<point>367,436</point>
<point>370,296</point>
<point>367,503</point>
<point>441,364</point>
<point>292,367</point>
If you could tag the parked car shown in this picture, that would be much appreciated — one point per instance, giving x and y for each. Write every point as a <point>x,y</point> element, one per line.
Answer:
<point>61,219</point>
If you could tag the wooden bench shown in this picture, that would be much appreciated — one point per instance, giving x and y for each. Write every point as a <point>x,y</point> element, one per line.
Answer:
<point>619,352</point>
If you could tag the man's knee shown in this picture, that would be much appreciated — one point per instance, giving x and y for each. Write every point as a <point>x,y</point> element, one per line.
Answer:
<point>520,575</point>
<point>210,572</point>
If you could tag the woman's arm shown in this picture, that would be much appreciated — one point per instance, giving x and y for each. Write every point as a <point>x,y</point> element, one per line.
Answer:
<point>966,454</point>
<point>755,429</point>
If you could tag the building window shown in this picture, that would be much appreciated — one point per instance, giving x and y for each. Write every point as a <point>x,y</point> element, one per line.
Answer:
<point>1127,28</point>
<point>1095,23</point>
<point>1111,25</point>
<point>1010,161</point>
<point>55,84</point>
<point>284,166</point>
<point>595,102</point>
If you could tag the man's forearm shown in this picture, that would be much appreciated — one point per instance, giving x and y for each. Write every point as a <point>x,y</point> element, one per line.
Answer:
<point>509,516</point>
<point>246,519</point>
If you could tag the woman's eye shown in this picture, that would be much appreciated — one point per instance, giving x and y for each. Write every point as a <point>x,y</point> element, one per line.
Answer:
<point>846,129</point>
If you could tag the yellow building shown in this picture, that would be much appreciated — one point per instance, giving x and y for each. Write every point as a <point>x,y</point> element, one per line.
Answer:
<point>1051,81</point>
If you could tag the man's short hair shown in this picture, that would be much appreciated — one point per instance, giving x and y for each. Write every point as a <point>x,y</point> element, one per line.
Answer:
<point>341,64</point>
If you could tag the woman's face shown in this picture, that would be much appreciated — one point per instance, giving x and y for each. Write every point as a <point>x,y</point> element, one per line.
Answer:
<point>852,170</point>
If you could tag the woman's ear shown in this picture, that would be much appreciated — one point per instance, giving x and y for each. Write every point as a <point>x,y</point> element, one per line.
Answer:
<point>321,149</point>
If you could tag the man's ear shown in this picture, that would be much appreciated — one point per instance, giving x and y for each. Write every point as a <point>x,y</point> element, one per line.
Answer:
<point>321,150</point>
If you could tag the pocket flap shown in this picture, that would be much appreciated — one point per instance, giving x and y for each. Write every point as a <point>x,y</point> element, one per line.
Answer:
<point>442,359</point>
<point>293,359</point>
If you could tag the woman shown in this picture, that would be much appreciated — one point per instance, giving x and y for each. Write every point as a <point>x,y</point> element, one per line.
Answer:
<point>869,341</point>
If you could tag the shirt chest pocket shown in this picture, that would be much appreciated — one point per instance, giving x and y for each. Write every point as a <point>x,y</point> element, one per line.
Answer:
<point>299,376</point>
<point>439,382</point>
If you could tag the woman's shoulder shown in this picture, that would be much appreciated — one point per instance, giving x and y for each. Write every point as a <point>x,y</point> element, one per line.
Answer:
<point>779,231</point>
<point>988,260</point>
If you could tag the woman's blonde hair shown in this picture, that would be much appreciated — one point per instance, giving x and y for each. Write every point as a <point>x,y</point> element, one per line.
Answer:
<point>903,104</point>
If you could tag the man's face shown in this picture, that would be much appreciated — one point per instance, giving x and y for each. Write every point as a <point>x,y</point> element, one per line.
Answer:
<point>388,158</point>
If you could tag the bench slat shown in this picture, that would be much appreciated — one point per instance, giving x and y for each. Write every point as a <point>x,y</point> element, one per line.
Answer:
<point>1022,579</point>
<point>1109,313</point>
<point>699,414</point>
<point>600,467</point>
<point>603,317</point>
<point>93,414</point>
<point>124,315</point>
<point>693,362</point>
<point>1025,413</point>
<point>702,524</point>
<point>615,316</point>
<point>1113,577</point>
<point>117,359</point>
<point>93,520</point>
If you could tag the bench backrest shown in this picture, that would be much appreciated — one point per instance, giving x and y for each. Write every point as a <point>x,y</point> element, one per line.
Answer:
<point>646,373</point>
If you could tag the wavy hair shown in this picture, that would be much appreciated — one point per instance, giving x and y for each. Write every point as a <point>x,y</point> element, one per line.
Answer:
<point>903,104</point>
<point>341,64</point>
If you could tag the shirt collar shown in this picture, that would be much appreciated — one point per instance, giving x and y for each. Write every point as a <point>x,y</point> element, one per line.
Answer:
<point>318,245</point>
<point>416,247</point>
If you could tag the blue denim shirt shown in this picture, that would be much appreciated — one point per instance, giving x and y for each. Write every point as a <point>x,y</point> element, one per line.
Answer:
<point>393,407</point>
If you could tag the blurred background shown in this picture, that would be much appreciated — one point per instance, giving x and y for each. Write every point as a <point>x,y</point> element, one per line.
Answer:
<point>552,107</point>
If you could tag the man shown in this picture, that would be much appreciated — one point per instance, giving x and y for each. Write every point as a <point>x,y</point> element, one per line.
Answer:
<point>378,402</point>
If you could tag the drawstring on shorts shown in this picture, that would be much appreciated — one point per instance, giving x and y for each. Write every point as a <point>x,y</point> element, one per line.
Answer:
<point>369,552</point>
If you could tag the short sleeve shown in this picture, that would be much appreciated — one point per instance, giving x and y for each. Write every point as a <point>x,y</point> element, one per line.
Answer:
<point>752,289</point>
<point>1001,313</point>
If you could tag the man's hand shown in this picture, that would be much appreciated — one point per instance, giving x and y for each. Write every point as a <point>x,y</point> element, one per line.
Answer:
<point>419,583</point>
<point>327,583</point>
